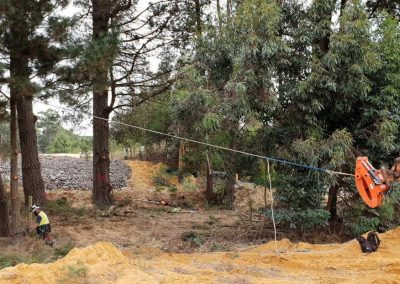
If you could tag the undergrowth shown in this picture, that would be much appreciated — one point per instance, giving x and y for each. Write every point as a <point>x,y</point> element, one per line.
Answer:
<point>7,260</point>
<point>63,208</point>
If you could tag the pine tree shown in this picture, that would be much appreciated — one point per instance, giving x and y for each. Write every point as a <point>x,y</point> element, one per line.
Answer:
<point>30,53</point>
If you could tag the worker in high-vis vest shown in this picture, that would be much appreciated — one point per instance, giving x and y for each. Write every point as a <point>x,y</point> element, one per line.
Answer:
<point>42,225</point>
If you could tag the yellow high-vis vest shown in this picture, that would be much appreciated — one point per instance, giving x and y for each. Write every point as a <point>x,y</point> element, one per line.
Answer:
<point>44,220</point>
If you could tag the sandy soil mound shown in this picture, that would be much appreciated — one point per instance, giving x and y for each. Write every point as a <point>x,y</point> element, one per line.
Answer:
<point>296,263</point>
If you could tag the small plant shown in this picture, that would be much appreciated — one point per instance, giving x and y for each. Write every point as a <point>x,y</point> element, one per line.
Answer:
<point>7,260</point>
<point>189,183</point>
<point>193,238</point>
<point>212,220</point>
<point>78,271</point>
<point>173,189</point>
<point>63,250</point>
<point>217,247</point>
<point>161,180</point>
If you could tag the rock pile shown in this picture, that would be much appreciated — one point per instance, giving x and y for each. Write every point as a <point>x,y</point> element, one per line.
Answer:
<point>73,173</point>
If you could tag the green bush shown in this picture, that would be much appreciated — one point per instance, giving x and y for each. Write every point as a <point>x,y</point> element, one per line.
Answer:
<point>309,219</point>
<point>63,250</point>
<point>172,188</point>
<point>161,177</point>
<point>193,238</point>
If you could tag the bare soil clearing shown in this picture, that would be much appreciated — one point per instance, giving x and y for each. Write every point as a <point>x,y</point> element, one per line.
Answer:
<point>297,263</point>
<point>142,242</point>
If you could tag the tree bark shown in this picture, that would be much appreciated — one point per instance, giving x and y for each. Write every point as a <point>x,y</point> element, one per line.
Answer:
<point>228,8</point>
<point>229,193</point>
<point>181,154</point>
<point>198,17</point>
<point>219,15</point>
<point>21,91</point>
<point>4,218</point>
<point>31,170</point>
<point>332,202</point>
<point>101,154</point>
<point>230,190</point>
<point>15,207</point>
<point>210,182</point>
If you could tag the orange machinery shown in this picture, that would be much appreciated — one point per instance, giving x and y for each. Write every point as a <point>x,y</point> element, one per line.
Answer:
<point>370,183</point>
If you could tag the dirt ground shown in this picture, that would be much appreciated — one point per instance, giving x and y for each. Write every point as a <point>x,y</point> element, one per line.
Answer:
<point>295,263</point>
<point>154,236</point>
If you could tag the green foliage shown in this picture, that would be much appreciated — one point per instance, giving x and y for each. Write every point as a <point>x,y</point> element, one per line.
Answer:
<point>189,184</point>
<point>54,138</point>
<point>303,220</point>
<point>161,178</point>
<point>172,189</point>
<point>63,250</point>
<point>7,260</point>
<point>77,271</point>
<point>284,80</point>
<point>193,238</point>
<point>63,207</point>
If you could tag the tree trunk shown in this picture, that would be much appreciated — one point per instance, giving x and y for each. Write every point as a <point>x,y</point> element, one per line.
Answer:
<point>229,193</point>
<point>101,132</point>
<point>210,182</point>
<point>15,208</point>
<point>332,203</point>
<point>219,15</point>
<point>181,154</point>
<point>21,91</point>
<point>198,17</point>
<point>4,218</point>
<point>228,9</point>
<point>230,190</point>
<point>31,171</point>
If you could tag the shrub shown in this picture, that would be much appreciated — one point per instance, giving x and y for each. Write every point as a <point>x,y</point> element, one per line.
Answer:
<point>63,207</point>
<point>193,238</point>
<point>63,250</point>
<point>161,177</point>
<point>7,260</point>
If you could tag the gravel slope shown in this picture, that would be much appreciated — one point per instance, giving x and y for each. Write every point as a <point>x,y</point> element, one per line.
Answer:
<point>73,173</point>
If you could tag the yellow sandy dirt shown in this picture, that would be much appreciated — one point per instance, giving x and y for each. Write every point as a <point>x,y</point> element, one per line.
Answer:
<point>297,263</point>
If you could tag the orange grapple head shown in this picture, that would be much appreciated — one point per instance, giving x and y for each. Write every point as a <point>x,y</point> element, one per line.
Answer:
<point>369,182</point>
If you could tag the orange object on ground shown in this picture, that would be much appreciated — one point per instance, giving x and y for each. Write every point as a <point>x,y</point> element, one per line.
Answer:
<point>369,182</point>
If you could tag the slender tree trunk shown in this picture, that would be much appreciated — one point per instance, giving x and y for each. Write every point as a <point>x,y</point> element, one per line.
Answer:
<point>198,17</point>
<point>210,182</point>
<point>332,203</point>
<point>4,218</point>
<point>231,174</point>
<point>230,190</point>
<point>101,154</point>
<point>219,15</point>
<point>181,154</point>
<point>14,177</point>
<point>228,9</point>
